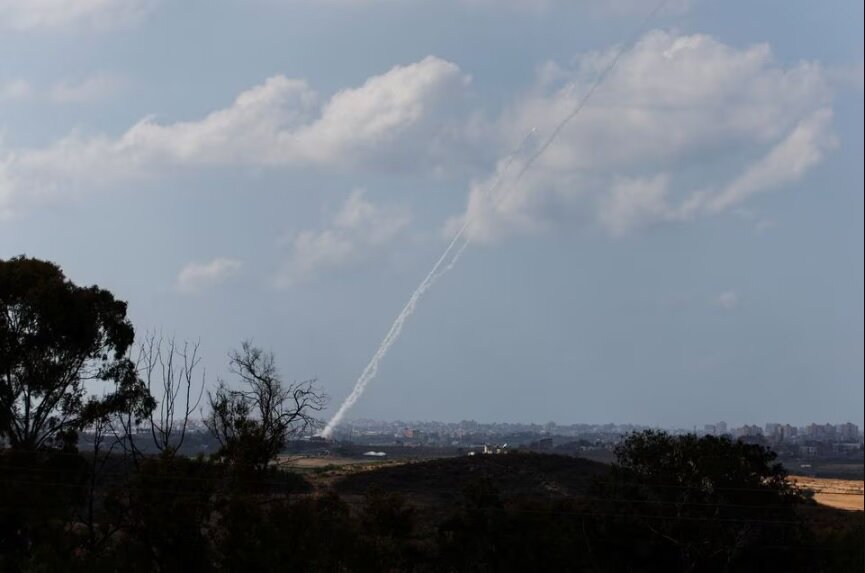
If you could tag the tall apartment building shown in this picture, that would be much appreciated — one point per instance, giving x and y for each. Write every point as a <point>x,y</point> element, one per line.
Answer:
<point>848,432</point>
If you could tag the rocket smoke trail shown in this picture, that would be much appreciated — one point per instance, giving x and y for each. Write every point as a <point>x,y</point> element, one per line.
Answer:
<point>438,269</point>
<point>435,273</point>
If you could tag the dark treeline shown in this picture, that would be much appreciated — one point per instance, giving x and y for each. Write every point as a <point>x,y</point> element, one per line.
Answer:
<point>662,513</point>
<point>669,503</point>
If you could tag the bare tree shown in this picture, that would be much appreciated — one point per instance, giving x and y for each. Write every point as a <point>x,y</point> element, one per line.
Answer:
<point>168,368</point>
<point>253,423</point>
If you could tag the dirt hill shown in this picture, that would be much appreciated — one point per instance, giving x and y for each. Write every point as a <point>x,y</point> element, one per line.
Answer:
<point>512,474</point>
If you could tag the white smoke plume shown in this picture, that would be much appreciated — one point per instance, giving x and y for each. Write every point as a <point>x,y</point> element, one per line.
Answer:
<point>438,269</point>
<point>396,328</point>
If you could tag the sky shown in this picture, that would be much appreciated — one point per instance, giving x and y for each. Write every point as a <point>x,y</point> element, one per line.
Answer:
<point>688,249</point>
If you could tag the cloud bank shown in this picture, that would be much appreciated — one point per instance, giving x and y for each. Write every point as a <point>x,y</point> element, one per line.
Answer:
<point>674,104</point>
<point>385,124</point>
<point>195,277</point>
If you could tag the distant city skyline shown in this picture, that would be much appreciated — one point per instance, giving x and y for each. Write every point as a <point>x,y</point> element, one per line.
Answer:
<point>721,427</point>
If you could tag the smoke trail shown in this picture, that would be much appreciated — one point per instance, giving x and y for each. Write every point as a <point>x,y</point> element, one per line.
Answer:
<point>437,271</point>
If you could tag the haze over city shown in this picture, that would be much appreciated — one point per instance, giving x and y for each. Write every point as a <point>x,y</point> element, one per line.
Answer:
<point>688,249</point>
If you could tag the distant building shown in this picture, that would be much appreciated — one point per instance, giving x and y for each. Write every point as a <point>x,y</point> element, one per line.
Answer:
<point>774,432</point>
<point>721,428</point>
<point>710,430</point>
<point>781,432</point>
<point>495,449</point>
<point>749,431</point>
<point>848,432</point>
<point>846,447</point>
<point>545,444</point>
<point>789,433</point>
<point>408,433</point>
<point>821,432</point>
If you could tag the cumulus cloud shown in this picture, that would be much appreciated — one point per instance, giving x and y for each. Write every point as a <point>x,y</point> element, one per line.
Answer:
<point>65,14</point>
<point>786,162</point>
<point>673,102</point>
<point>630,201</point>
<point>195,277</point>
<point>357,231</point>
<point>386,123</point>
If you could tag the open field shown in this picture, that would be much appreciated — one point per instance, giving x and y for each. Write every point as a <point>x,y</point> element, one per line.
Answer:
<point>322,471</point>
<point>325,470</point>
<point>837,493</point>
<point>301,463</point>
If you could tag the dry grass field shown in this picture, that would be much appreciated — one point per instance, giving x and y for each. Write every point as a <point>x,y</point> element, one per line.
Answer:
<point>323,471</point>
<point>837,493</point>
<point>300,463</point>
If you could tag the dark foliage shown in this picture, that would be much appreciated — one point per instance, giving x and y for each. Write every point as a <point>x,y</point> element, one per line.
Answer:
<point>528,534</point>
<point>670,503</point>
<point>513,474</point>
<point>54,336</point>
<point>162,514</point>
<point>253,421</point>
<point>39,492</point>
<point>684,503</point>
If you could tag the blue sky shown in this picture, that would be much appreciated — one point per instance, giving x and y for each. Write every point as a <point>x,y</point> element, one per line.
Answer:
<point>688,249</point>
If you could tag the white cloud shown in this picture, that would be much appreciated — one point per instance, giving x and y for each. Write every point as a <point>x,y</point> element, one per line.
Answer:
<point>195,277</point>
<point>675,109</point>
<point>728,300</point>
<point>357,231</point>
<point>65,14</point>
<point>630,201</point>
<point>387,123</point>
<point>359,121</point>
<point>786,162</point>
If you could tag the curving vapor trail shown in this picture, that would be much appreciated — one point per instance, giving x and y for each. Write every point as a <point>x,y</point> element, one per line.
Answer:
<point>440,269</point>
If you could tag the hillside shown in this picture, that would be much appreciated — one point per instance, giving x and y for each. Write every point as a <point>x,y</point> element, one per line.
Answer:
<point>512,474</point>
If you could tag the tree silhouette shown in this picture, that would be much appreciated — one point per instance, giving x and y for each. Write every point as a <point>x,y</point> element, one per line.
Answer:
<point>699,504</point>
<point>253,422</point>
<point>171,366</point>
<point>54,337</point>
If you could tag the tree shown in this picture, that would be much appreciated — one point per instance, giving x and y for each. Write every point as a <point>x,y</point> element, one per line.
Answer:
<point>253,423</point>
<point>171,366</point>
<point>130,398</point>
<point>698,504</point>
<point>54,338</point>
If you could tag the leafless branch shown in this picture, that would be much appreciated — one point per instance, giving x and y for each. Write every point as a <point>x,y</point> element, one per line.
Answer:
<point>170,368</point>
